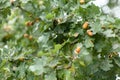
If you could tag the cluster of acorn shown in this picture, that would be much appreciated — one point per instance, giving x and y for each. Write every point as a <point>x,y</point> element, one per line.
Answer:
<point>89,33</point>
<point>30,23</point>
<point>85,26</point>
<point>113,54</point>
<point>30,37</point>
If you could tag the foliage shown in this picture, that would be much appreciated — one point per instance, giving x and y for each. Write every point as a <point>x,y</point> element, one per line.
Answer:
<point>45,40</point>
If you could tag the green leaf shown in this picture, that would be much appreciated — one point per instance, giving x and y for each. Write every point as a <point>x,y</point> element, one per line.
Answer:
<point>93,10</point>
<point>38,66</point>
<point>21,70</point>
<point>25,1</point>
<point>44,42</point>
<point>109,33</point>
<point>5,12</point>
<point>56,48</point>
<point>51,76</point>
<point>43,38</point>
<point>68,75</point>
<point>29,7</point>
<point>93,67</point>
<point>96,27</point>
<point>117,61</point>
<point>117,23</point>
<point>4,4</point>
<point>85,55</point>
<point>50,16</point>
<point>106,65</point>
<point>110,19</point>
<point>84,52</point>
<point>88,43</point>
<point>53,63</point>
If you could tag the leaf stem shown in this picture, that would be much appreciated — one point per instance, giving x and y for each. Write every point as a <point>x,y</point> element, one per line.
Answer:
<point>22,9</point>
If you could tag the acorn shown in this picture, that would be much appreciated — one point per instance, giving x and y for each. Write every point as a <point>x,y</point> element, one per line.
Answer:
<point>12,2</point>
<point>30,37</point>
<point>110,56</point>
<point>59,20</point>
<point>82,1</point>
<point>21,59</point>
<point>37,19</point>
<point>7,28</point>
<point>89,32</point>
<point>85,25</point>
<point>29,23</point>
<point>77,50</point>
<point>26,35</point>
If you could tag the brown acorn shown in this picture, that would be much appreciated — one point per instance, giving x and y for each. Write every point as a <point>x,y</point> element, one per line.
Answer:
<point>59,20</point>
<point>37,19</point>
<point>110,56</point>
<point>89,32</point>
<point>29,23</point>
<point>26,35</point>
<point>21,59</point>
<point>7,28</point>
<point>85,25</point>
<point>77,50</point>
<point>30,37</point>
<point>12,1</point>
<point>82,1</point>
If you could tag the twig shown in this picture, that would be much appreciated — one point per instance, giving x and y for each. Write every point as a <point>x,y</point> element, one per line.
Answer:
<point>22,9</point>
